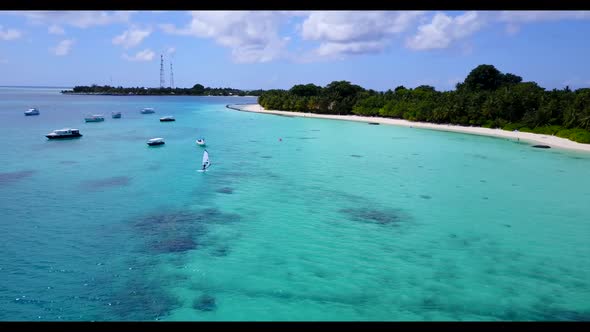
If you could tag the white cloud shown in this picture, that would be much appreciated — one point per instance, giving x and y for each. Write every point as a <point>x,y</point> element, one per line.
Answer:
<point>79,19</point>
<point>514,18</point>
<point>542,15</point>
<point>132,37</point>
<point>295,12</point>
<point>55,30</point>
<point>9,34</point>
<point>443,30</point>
<point>145,55</point>
<point>346,32</point>
<point>63,47</point>
<point>252,36</point>
<point>255,36</point>
<point>330,48</point>
<point>171,28</point>
<point>170,50</point>
<point>338,26</point>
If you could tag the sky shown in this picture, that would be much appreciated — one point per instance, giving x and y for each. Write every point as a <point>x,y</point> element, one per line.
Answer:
<point>378,50</point>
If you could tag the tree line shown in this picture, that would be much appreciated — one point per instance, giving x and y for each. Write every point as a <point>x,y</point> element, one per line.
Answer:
<point>486,98</point>
<point>196,90</point>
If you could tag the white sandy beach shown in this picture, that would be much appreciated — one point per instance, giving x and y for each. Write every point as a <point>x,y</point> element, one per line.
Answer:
<point>552,141</point>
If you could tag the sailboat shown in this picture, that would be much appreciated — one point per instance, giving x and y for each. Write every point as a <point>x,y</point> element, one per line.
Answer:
<point>206,163</point>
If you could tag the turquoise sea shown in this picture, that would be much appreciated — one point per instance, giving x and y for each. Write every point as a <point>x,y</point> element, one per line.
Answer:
<point>297,218</point>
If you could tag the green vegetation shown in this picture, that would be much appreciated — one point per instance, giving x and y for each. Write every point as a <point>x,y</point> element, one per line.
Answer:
<point>196,90</point>
<point>486,98</point>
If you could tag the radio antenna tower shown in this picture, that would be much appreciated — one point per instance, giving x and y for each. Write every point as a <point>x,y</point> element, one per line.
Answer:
<point>162,83</point>
<point>171,76</point>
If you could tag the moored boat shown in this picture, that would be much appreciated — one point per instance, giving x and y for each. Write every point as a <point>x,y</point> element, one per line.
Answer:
<point>155,141</point>
<point>32,111</point>
<point>94,118</point>
<point>167,119</point>
<point>147,110</point>
<point>64,133</point>
<point>116,115</point>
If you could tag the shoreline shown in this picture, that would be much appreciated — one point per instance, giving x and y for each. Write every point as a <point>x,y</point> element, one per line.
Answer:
<point>135,94</point>
<point>552,141</point>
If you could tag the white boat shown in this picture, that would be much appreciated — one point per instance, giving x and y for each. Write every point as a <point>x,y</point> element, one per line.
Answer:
<point>147,110</point>
<point>94,118</point>
<point>206,163</point>
<point>155,141</point>
<point>32,111</point>
<point>167,119</point>
<point>64,133</point>
<point>116,115</point>
<point>201,142</point>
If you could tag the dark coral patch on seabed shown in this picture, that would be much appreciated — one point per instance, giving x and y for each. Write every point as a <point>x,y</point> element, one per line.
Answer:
<point>179,231</point>
<point>142,299</point>
<point>174,243</point>
<point>381,217</point>
<point>115,181</point>
<point>225,190</point>
<point>205,303</point>
<point>220,251</point>
<point>11,177</point>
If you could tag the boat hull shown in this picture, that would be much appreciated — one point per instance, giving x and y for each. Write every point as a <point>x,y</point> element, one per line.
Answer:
<point>63,136</point>
<point>167,120</point>
<point>156,143</point>
<point>31,114</point>
<point>94,120</point>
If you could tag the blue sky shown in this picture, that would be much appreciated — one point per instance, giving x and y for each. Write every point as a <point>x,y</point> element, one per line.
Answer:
<point>261,49</point>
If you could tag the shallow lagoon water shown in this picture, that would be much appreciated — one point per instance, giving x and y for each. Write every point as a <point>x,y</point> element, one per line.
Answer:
<point>337,220</point>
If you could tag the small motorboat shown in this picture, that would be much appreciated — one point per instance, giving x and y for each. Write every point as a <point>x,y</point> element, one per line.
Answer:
<point>155,141</point>
<point>200,142</point>
<point>64,133</point>
<point>32,111</point>
<point>116,115</point>
<point>147,110</point>
<point>167,119</point>
<point>94,118</point>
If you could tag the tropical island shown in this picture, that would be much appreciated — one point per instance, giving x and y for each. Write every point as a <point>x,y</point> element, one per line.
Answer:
<point>486,98</point>
<point>196,90</point>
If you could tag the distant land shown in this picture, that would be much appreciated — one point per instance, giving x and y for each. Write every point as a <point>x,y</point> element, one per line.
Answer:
<point>196,90</point>
<point>486,98</point>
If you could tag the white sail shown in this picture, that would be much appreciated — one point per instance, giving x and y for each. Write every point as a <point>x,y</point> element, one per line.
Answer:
<point>206,159</point>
